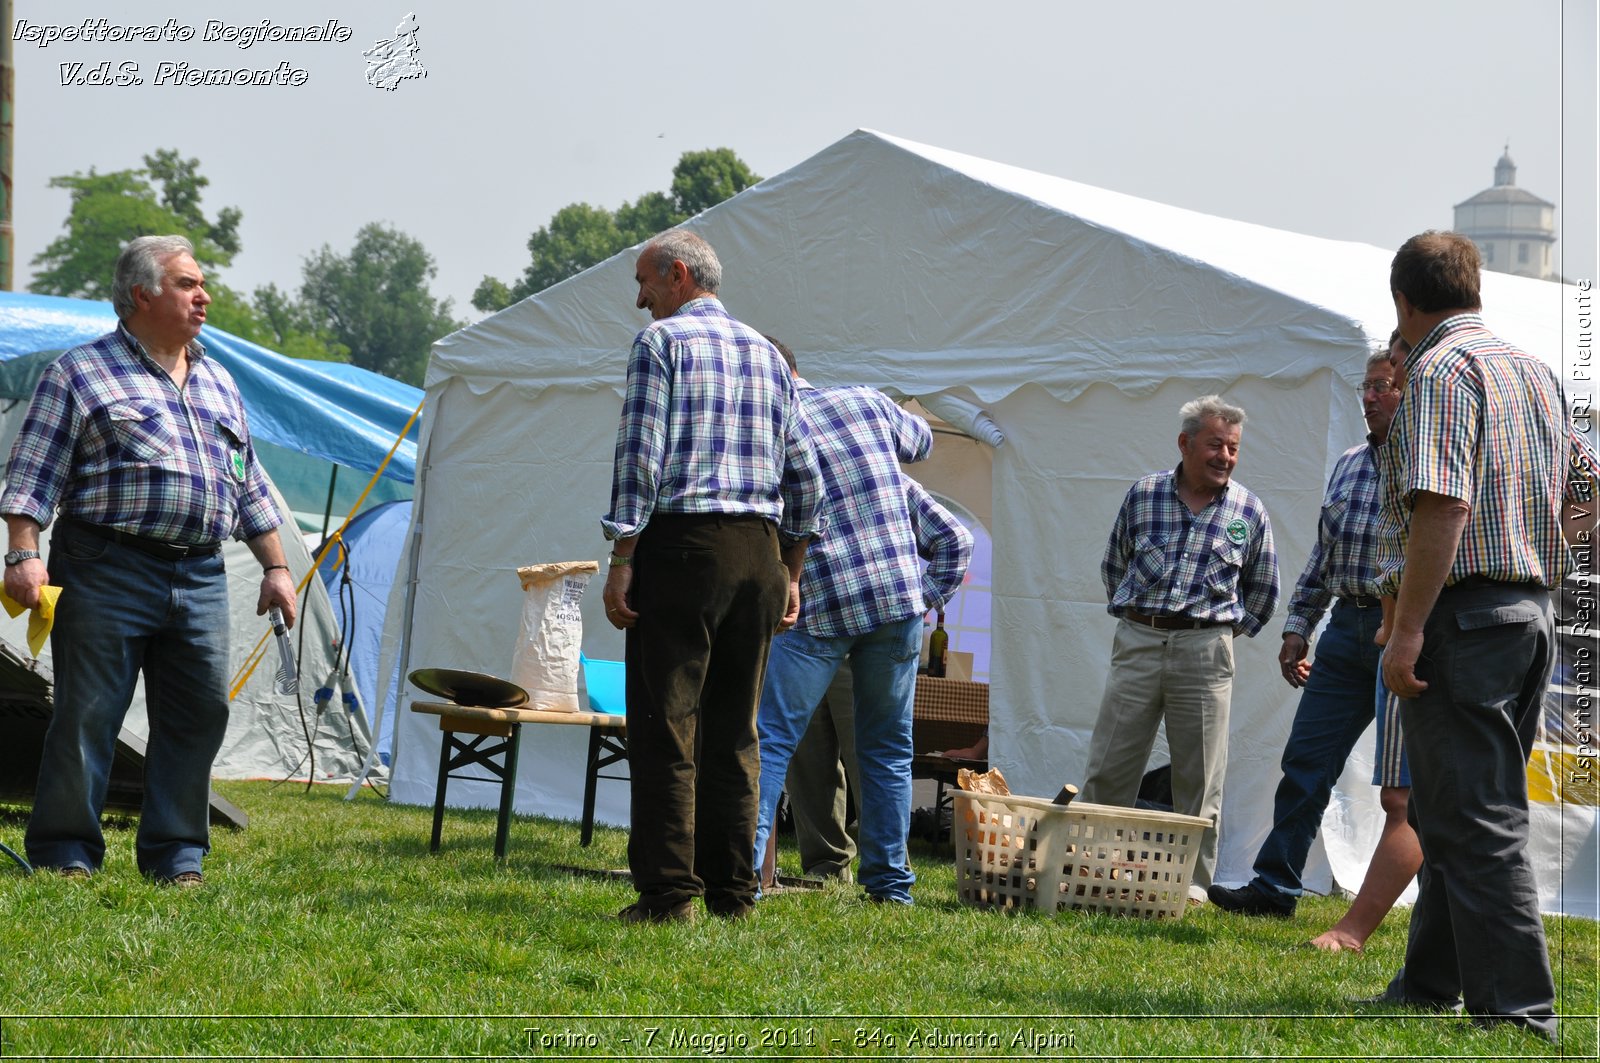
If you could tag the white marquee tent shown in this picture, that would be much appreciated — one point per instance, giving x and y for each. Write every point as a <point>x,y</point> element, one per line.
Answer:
<point>1079,319</point>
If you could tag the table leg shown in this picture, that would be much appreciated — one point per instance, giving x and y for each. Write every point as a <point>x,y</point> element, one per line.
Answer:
<point>508,793</point>
<point>445,741</point>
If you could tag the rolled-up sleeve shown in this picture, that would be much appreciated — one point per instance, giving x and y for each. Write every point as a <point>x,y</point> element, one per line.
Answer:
<point>943,542</point>
<point>641,444</point>
<point>41,457</point>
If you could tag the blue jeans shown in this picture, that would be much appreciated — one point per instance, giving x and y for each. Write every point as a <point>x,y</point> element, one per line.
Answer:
<point>122,611</point>
<point>1335,708</point>
<point>884,667</point>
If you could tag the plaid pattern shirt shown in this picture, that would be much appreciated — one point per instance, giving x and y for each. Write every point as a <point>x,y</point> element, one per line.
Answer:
<point>942,541</point>
<point>1218,564</point>
<point>109,439</point>
<point>1483,422</point>
<point>863,572</point>
<point>1343,563</point>
<point>711,424</point>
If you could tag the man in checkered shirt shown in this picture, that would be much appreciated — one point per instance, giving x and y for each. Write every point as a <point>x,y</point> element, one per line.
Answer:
<point>714,495</point>
<point>1470,542</point>
<point>139,439</point>
<point>1190,565</point>
<point>862,598</point>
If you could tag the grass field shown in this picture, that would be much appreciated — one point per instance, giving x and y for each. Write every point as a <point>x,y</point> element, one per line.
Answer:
<point>328,931</point>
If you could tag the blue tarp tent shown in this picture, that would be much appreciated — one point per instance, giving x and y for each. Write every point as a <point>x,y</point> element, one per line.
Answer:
<point>358,582</point>
<point>330,412</point>
<point>306,418</point>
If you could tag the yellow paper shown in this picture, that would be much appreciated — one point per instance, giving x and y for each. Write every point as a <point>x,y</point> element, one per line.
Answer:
<point>41,618</point>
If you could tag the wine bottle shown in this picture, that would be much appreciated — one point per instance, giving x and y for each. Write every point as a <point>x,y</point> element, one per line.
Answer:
<point>938,648</point>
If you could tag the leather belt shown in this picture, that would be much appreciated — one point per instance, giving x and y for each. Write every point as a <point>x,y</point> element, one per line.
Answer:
<point>1361,601</point>
<point>1171,623</point>
<point>143,543</point>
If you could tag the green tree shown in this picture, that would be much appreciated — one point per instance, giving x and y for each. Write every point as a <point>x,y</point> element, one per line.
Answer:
<point>651,213</point>
<point>272,319</point>
<point>107,210</point>
<point>702,179</point>
<point>581,235</point>
<point>375,301</point>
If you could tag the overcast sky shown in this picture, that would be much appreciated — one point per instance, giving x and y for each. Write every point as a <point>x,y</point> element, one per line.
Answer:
<point>1365,120</point>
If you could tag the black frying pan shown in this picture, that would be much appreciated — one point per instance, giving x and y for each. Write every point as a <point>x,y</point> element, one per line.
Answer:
<point>469,688</point>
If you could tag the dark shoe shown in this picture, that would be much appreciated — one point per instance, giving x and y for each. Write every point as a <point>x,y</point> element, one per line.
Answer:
<point>1250,899</point>
<point>734,913</point>
<point>74,871</point>
<point>183,880</point>
<point>682,912</point>
<point>889,902</point>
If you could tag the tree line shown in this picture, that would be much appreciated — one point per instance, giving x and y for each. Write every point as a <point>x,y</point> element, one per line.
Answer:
<point>370,306</point>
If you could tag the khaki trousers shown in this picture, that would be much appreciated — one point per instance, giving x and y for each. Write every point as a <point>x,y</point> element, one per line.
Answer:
<point>1182,677</point>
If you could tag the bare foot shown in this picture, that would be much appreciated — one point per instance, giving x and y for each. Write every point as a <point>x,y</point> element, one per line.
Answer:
<point>1336,940</point>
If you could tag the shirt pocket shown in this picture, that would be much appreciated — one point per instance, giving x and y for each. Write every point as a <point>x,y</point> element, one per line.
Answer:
<point>1222,572</point>
<point>229,441</point>
<point>1149,562</point>
<point>144,433</point>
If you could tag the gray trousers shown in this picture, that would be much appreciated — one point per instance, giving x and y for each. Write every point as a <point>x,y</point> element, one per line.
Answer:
<point>1186,679</point>
<point>824,764</point>
<point>1476,934</point>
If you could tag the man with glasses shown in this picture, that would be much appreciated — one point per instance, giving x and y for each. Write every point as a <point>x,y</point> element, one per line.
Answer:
<point>1337,698</point>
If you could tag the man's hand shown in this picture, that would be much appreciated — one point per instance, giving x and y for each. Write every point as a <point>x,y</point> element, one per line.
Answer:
<point>24,580</point>
<point>615,596</point>
<point>1386,603</point>
<point>791,613</point>
<point>1292,659</point>
<point>1400,664</point>
<point>277,588</point>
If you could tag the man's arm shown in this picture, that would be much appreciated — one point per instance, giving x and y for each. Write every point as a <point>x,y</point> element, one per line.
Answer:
<point>1119,547</point>
<point>1437,522</point>
<point>913,439</point>
<point>1259,589</point>
<point>942,541</point>
<point>25,578</point>
<point>277,585</point>
<point>794,559</point>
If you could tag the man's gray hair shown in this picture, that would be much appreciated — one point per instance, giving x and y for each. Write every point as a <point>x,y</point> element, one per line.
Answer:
<point>1380,354</point>
<point>1196,412</point>
<point>692,251</point>
<point>142,264</point>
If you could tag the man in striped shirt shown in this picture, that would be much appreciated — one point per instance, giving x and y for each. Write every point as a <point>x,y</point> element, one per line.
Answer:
<point>862,598</point>
<point>1470,541</point>
<point>139,440</point>
<point>1337,703</point>
<point>1190,565</point>
<point>714,495</point>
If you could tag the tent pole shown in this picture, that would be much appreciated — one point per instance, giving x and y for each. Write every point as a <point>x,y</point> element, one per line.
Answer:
<point>327,511</point>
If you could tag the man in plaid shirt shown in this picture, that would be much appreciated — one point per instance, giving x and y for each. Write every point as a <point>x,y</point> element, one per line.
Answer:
<point>1338,699</point>
<point>139,439</point>
<point>862,598</point>
<point>1189,566</point>
<point>712,457</point>
<point>1471,543</point>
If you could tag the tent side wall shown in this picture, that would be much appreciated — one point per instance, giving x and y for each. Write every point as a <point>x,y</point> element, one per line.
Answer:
<point>511,480</point>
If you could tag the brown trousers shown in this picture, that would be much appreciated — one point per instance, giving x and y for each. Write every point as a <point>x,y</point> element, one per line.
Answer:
<point>710,591</point>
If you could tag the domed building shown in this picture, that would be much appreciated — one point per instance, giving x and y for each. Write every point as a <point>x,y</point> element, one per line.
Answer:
<point>1513,228</point>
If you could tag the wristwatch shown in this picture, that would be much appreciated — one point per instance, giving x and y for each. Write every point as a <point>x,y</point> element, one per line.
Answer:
<point>16,557</point>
